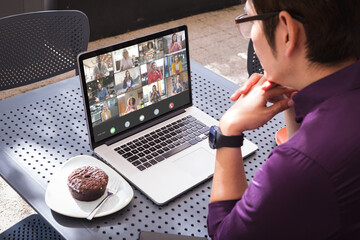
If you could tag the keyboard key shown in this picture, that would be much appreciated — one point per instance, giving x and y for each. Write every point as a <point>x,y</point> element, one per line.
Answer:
<point>153,162</point>
<point>134,151</point>
<point>136,163</point>
<point>131,146</point>
<point>133,158</point>
<point>147,165</point>
<point>127,155</point>
<point>176,150</point>
<point>204,130</point>
<point>191,136</point>
<point>143,160</point>
<point>187,138</point>
<point>193,142</point>
<point>126,149</point>
<point>121,152</point>
<point>159,158</point>
<point>141,168</point>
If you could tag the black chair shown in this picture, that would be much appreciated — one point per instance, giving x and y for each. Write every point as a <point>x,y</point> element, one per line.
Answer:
<point>253,63</point>
<point>33,47</point>
<point>31,228</point>
<point>39,45</point>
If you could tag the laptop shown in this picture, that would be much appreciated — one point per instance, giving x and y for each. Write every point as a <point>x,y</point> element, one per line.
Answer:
<point>140,115</point>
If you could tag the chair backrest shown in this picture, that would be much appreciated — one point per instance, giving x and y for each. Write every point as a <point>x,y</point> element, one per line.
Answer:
<point>39,45</point>
<point>253,63</point>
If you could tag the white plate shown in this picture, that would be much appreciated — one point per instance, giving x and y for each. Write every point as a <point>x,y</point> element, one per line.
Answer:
<point>59,199</point>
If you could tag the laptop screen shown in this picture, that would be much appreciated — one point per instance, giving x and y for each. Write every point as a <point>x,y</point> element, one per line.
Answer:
<point>131,83</point>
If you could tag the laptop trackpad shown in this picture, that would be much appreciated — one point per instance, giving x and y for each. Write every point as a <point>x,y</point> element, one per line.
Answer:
<point>197,163</point>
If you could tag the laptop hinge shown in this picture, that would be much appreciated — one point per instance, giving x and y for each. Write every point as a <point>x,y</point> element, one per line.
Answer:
<point>145,126</point>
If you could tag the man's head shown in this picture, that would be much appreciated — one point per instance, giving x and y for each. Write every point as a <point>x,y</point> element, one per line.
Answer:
<point>99,86</point>
<point>331,27</point>
<point>125,53</point>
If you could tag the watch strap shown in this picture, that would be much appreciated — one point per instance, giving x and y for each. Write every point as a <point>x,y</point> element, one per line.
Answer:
<point>229,141</point>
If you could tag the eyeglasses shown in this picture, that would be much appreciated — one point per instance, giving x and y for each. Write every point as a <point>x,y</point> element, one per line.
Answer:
<point>244,22</point>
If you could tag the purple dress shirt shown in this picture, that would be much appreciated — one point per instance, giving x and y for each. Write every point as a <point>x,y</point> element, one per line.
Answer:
<point>309,187</point>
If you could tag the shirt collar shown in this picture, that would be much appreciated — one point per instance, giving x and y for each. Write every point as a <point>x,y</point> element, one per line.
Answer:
<point>335,84</point>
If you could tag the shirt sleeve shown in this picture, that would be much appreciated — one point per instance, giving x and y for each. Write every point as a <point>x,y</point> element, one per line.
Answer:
<point>290,197</point>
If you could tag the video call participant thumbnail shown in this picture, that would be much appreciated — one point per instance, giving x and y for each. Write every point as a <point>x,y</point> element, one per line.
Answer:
<point>101,69</point>
<point>102,93</point>
<point>154,74</point>
<point>174,45</point>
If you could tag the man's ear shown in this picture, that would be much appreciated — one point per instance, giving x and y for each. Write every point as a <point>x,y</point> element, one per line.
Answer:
<point>290,32</point>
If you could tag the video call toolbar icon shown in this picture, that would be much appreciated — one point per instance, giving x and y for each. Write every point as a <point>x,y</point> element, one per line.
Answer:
<point>112,130</point>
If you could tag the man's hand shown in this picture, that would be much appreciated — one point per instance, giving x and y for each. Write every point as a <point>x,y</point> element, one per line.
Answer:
<point>250,110</point>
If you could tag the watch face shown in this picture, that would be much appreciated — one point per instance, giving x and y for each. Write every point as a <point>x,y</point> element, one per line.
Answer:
<point>212,137</point>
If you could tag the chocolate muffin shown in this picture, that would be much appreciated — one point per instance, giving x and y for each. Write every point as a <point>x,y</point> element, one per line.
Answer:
<point>87,183</point>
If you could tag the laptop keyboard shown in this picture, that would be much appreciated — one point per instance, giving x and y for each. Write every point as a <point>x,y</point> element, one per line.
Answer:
<point>148,150</point>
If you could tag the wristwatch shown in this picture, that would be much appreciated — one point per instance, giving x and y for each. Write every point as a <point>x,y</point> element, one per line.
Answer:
<point>218,140</point>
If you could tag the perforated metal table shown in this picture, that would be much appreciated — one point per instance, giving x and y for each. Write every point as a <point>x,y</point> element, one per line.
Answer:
<point>41,129</point>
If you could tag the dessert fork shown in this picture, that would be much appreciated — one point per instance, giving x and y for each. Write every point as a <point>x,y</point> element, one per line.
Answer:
<point>110,191</point>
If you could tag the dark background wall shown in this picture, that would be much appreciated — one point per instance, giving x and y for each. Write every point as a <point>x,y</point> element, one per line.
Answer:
<point>113,17</point>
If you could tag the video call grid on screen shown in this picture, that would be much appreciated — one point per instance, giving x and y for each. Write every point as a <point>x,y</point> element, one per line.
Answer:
<point>129,80</point>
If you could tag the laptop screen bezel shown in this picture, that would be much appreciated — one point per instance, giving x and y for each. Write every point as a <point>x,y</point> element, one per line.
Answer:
<point>93,53</point>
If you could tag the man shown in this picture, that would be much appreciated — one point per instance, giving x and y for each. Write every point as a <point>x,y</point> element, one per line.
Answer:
<point>102,93</point>
<point>154,75</point>
<point>309,187</point>
<point>178,86</point>
<point>101,69</point>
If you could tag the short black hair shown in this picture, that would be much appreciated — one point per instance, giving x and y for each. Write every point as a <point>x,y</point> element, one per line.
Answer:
<point>331,27</point>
